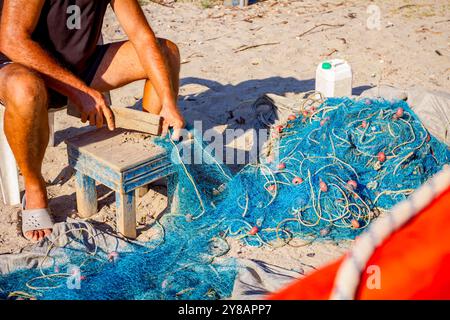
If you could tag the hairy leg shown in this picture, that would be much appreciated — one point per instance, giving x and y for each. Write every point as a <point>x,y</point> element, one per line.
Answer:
<point>24,95</point>
<point>121,66</point>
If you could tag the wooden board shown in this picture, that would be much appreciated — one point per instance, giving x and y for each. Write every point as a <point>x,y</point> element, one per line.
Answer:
<point>119,149</point>
<point>130,119</point>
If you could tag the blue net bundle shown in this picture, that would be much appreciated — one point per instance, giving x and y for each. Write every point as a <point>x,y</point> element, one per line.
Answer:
<point>330,169</point>
<point>326,173</point>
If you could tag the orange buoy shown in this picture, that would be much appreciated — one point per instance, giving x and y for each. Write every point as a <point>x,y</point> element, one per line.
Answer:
<point>279,128</point>
<point>292,117</point>
<point>253,231</point>
<point>272,187</point>
<point>323,186</point>
<point>297,180</point>
<point>281,166</point>
<point>355,224</point>
<point>399,113</point>
<point>324,121</point>
<point>113,256</point>
<point>364,124</point>
<point>381,156</point>
<point>352,184</point>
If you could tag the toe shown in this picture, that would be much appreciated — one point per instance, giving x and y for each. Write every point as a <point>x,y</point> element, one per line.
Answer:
<point>47,232</point>
<point>41,234</point>
<point>35,236</point>
<point>29,234</point>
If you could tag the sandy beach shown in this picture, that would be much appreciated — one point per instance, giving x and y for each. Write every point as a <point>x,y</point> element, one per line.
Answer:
<point>231,56</point>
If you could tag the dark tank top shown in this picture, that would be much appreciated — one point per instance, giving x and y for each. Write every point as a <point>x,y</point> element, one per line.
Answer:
<point>69,30</point>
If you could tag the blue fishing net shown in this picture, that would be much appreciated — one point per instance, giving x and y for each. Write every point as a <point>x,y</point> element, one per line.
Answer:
<point>325,173</point>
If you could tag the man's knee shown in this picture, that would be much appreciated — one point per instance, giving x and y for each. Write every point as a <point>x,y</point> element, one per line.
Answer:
<point>171,50</point>
<point>25,91</point>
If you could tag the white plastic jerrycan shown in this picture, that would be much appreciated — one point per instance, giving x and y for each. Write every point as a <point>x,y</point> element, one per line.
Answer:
<point>334,78</point>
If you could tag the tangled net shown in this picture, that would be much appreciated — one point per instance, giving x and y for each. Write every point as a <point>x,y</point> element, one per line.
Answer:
<point>334,166</point>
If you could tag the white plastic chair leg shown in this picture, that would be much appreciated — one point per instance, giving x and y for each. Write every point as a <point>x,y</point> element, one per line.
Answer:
<point>9,178</point>
<point>51,126</point>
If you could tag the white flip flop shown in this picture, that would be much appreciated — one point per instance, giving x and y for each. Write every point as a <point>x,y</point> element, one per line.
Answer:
<point>35,219</point>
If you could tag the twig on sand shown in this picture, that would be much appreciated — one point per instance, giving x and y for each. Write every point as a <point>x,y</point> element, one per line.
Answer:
<point>320,25</point>
<point>193,55</point>
<point>246,47</point>
<point>331,52</point>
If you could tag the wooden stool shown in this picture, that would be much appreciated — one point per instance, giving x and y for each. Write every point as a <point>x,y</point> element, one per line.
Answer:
<point>123,161</point>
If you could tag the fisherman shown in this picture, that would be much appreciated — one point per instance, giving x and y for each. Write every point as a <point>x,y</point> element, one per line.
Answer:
<point>49,54</point>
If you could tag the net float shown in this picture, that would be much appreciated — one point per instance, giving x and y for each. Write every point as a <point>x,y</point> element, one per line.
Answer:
<point>279,128</point>
<point>352,184</point>
<point>281,166</point>
<point>292,117</point>
<point>399,113</point>
<point>253,231</point>
<point>272,187</point>
<point>381,156</point>
<point>323,186</point>
<point>113,256</point>
<point>428,138</point>
<point>324,121</point>
<point>364,124</point>
<point>297,180</point>
<point>324,232</point>
<point>355,224</point>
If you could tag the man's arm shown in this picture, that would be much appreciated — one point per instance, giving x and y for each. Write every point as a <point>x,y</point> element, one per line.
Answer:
<point>140,34</point>
<point>19,19</point>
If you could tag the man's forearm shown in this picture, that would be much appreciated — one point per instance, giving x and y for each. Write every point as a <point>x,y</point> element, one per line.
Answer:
<point>139,32</point>
<point>31,54</point>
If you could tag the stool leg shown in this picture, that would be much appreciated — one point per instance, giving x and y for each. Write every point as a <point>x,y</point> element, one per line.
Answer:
<point>86,195</point>
<point>172,193</point>
<point>126,213</point>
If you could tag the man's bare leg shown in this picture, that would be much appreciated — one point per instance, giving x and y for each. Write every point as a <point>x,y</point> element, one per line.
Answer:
<point>26,127</point>
<point>121,66</point>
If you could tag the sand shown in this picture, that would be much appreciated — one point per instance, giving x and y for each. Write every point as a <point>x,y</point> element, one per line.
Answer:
<point>221,73</point>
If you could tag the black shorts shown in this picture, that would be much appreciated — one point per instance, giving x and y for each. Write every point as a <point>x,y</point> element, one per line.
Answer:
<point>56,99</point>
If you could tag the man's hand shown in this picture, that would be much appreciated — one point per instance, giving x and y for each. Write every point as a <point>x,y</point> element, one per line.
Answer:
<point>172,118</point>
<point>93,107</point>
